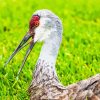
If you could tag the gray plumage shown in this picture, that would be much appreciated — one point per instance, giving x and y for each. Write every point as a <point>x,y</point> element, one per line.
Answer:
<point>45,83</point>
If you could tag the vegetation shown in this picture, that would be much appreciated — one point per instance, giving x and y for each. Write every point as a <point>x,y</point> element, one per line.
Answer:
<point>79,55</point>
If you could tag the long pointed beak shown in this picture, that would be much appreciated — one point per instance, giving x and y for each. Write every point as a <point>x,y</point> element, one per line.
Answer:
<point>20,46</point>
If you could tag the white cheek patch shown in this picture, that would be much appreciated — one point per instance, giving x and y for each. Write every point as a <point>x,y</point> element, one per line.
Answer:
<point>42,31</point>
<point>38,33</point>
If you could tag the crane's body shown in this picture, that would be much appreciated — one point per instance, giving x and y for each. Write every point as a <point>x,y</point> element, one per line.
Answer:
<point>47,27</point>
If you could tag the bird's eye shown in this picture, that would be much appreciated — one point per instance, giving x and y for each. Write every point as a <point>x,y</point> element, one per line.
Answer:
<point>34,22</point>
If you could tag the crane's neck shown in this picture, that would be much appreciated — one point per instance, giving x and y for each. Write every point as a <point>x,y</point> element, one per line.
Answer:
<point>49,52</point>
<point>45,68</point>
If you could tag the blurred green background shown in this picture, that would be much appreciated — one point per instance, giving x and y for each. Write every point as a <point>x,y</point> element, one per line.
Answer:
<point>79,55</point>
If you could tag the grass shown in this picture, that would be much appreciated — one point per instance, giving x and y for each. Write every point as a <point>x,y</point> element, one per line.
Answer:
<point>79,55</point>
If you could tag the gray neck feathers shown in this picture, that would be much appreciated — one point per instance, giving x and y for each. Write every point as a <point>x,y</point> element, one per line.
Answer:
<point>50,49</point>
<point>45,68</point>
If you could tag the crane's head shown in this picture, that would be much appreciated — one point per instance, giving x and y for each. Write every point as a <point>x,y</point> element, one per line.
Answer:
<point>43,25</point>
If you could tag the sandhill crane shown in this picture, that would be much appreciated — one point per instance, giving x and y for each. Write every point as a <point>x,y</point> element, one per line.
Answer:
<point>47,27</point>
